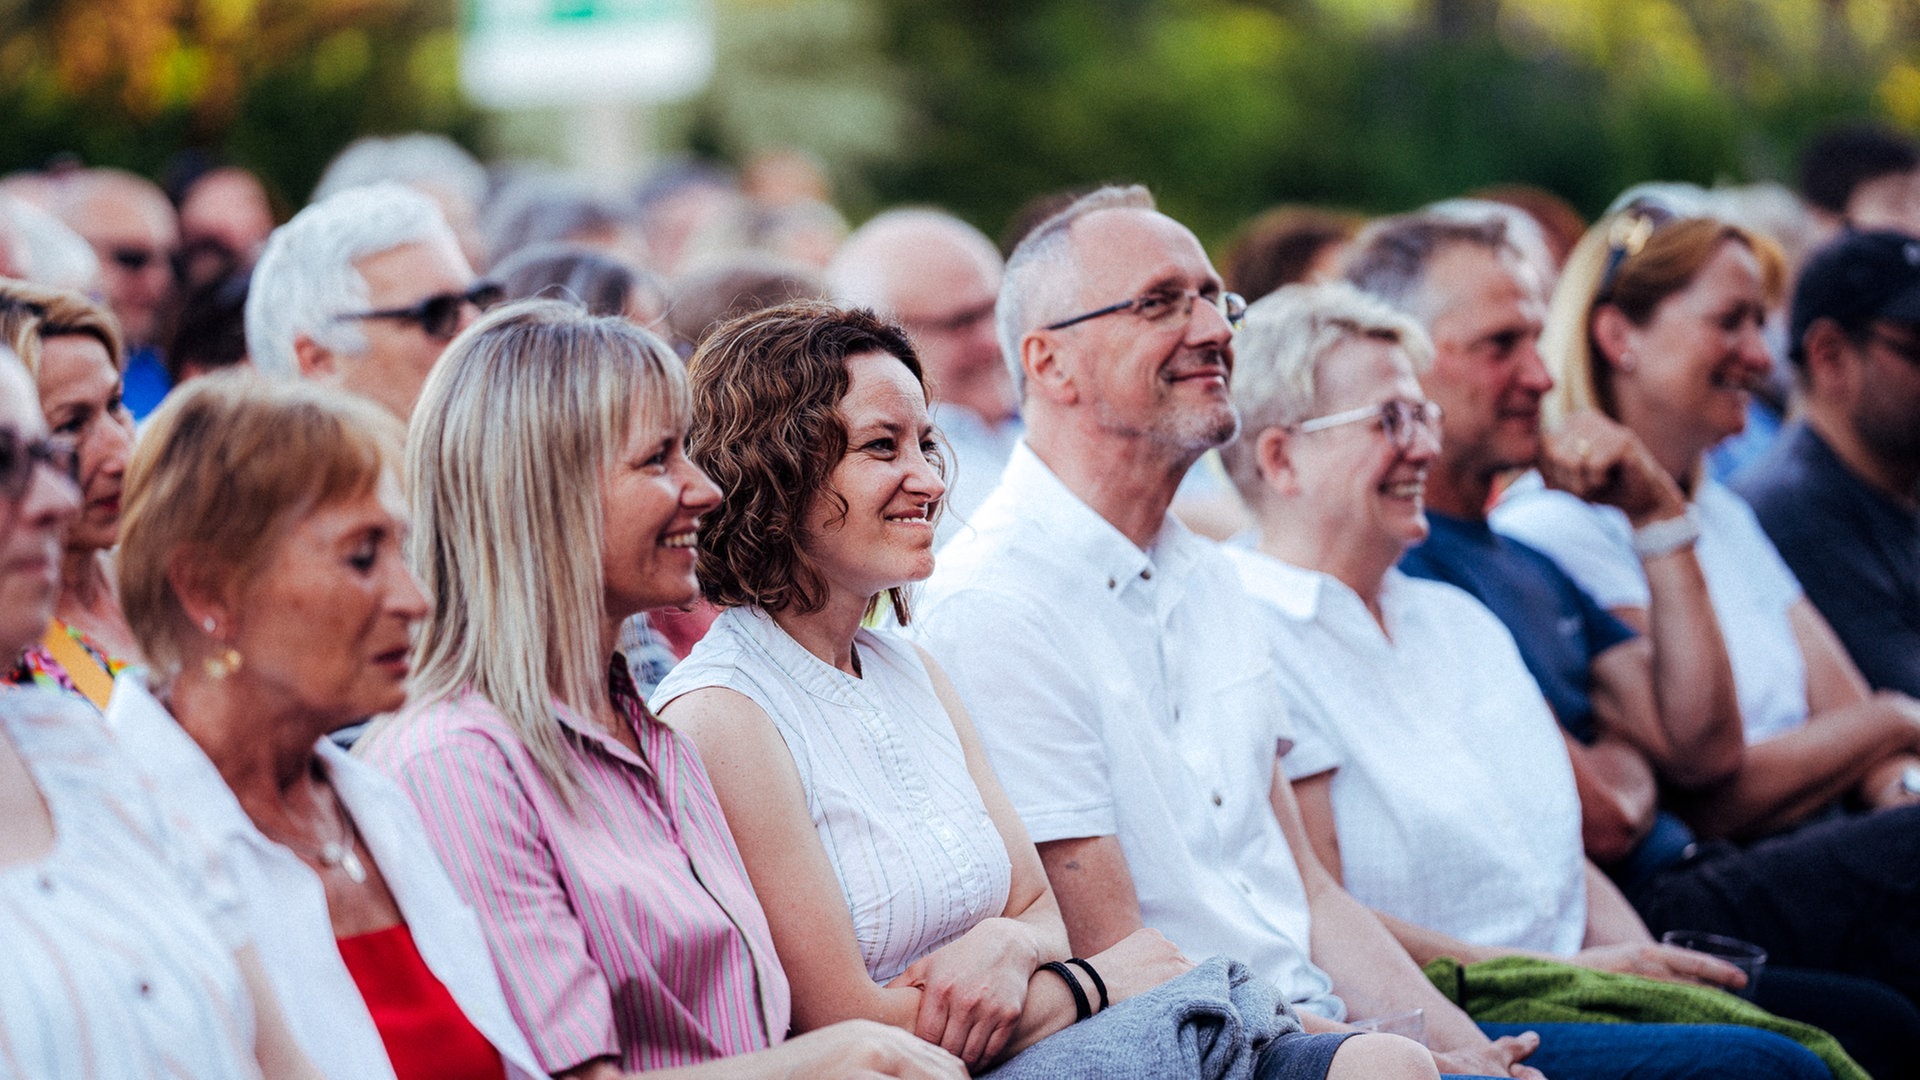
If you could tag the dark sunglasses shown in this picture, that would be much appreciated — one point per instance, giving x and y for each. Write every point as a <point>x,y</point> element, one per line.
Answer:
<point>1628,236</point>
<point>20,456</point>
<point>438,316</point>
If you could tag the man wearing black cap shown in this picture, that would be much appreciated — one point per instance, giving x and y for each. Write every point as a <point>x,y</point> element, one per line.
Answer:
<point>1839,494</point>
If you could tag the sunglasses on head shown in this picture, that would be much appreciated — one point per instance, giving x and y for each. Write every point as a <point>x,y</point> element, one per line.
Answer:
<point>1628,236</point>
<point>19,456</point>
<point>438,316</point>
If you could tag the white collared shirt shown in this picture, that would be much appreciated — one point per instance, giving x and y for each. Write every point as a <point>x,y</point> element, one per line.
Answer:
<point>1128,694</point>
<point>286,903</point>
<point>1453,796</point>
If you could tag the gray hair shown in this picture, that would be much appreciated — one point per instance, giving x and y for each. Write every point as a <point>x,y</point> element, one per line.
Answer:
<point>1391,257</point>
<point>1041,277</point>
<point>864,270</point>
<point>1277,361</point>
<point>416,158</point>
<point>542,208</point>
<point>306,276</point>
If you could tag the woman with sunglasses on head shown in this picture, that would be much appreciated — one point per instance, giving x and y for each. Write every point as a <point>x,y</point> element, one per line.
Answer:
<point>899,882</point>
<point>126,949</point>
<point>1656,324</point>
<point>72,348</point>
<point>262,574</point>
<point>552,500</point>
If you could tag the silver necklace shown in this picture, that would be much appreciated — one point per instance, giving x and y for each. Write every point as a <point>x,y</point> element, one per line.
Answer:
<point>336,854</point>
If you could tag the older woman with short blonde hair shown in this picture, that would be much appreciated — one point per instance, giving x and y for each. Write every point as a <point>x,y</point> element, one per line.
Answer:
<point>73,349</point>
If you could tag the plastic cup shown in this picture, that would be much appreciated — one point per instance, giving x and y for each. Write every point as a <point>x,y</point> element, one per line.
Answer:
<point>1411,1024</point>
<point>1744,955</point>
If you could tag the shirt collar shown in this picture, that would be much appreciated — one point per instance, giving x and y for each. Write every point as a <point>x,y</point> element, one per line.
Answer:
<point>1294,590</point>
<point>1047,502</point>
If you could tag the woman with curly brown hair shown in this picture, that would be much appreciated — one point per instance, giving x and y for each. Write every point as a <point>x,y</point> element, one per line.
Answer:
<point>898,882</point>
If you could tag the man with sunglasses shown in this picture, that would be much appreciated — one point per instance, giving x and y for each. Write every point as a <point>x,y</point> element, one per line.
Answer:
<point>363,289</point>
<point>135,233</point>
<point>1109,657</point>
<point>1839,494</point>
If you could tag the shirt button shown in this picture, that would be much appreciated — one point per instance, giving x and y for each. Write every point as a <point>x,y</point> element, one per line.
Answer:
<point>1146,575</point>
<point>145,988</point>
<point>46,883</point>
<point>1112,584</point>
<point>1216,798</point>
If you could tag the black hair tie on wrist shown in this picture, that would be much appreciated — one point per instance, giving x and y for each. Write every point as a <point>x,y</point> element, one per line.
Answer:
<point>1080,1004</point>
<point>1099,983</point>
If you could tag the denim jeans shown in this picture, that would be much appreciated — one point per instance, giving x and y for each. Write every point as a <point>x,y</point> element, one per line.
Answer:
<point>1664,1052</point>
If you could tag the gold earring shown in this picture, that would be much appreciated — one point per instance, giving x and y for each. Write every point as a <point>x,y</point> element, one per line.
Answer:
<point>223,664</point>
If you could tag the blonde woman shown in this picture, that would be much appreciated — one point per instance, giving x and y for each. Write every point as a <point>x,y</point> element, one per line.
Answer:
<point>552,500</point>
<point>73,350</point>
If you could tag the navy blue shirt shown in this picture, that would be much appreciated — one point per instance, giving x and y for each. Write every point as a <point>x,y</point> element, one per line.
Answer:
<point>1855,551</point>
<point>1559,629</point>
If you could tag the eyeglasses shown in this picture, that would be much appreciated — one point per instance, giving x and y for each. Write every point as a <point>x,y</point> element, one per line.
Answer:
<point>19,457</point>
<point>1628,236</point>
<point>438,316</point>
<point>1401,419</point>
<point>1166,304</point>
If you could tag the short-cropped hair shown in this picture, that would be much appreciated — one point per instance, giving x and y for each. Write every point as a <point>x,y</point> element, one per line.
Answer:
<point>306,277</point>
<point>767,428</point>
<point>30,314</point>
<point>223,469</point>
<point>1389,260</point>
<point>1277,356</point>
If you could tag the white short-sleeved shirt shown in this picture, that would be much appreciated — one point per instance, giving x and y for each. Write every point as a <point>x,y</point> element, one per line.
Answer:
<point>1128,693</point>
<point>916,853</point>
<point>286,903</point>
<point>1453,797</point>
<point>1748,583</point>
<point>118,943</point>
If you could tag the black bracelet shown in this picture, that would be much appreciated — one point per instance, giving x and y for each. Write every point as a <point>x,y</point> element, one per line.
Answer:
<point>1099,983</point>
<point>1080,1004</point>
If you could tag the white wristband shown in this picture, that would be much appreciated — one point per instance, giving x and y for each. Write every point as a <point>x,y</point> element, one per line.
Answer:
<point>1666,536</point>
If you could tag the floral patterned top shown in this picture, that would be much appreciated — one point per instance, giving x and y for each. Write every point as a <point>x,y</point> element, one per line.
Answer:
<point>37,666</point>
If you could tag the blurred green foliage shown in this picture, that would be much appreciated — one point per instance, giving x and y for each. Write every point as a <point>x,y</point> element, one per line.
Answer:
<point>1223,106</point>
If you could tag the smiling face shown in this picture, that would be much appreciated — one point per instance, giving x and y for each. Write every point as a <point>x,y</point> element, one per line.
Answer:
<point>651,499</point>
<point>80,394</point>
<point>1357,489</point>
<point>30,529</point>
<point>328,623</point>
<point>1486,372</point>
<point>1160,381</point>
<point>1686,375</point>
<point>884,536</point>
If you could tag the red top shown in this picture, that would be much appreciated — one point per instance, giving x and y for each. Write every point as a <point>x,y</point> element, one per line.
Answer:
<point>426,1035</point>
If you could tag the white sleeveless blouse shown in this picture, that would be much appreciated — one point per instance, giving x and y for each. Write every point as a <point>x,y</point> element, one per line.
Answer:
<point>918,859</point>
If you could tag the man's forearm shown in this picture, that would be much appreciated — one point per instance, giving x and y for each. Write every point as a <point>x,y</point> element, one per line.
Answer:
<point>1374,975</point>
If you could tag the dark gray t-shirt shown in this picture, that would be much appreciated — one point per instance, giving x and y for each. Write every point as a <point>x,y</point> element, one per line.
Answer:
<point>1855,551</point>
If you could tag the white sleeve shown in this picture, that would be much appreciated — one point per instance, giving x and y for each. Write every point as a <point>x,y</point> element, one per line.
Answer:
<point>1040,720</point>
<point>1593,544</point>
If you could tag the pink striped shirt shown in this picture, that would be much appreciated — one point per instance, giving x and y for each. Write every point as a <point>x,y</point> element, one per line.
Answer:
<point>625,929</point>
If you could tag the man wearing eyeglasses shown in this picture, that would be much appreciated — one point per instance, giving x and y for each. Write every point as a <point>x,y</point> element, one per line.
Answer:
<point>363,289</point>
<point>939,277</point>
<point>133,230</point>
<point>1839,494</point>
<point>1109,657</point>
